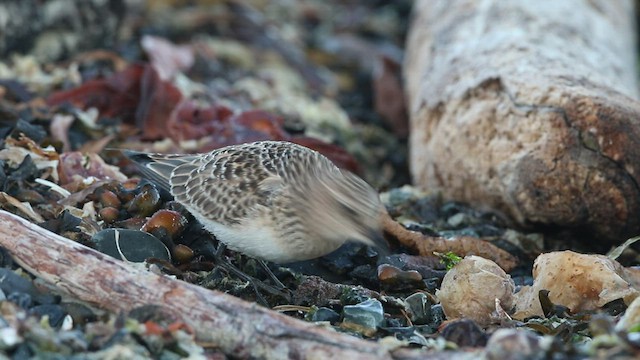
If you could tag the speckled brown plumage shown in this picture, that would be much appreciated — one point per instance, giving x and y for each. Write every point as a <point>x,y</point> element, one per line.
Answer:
<point>273,200</point>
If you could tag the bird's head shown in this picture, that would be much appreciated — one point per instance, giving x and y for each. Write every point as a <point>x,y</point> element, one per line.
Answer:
<point>342,206</point>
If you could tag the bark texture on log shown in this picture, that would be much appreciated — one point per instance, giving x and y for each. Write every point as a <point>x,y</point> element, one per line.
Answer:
<point>243,329</point>
<point>528,108</point>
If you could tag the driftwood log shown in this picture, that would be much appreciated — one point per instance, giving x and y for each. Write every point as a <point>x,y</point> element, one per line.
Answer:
<point>529,108</point>
<point>237,327</point>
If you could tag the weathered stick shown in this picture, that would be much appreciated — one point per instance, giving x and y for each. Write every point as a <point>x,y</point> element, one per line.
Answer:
<point>462,246</point>
<point>236,326</point>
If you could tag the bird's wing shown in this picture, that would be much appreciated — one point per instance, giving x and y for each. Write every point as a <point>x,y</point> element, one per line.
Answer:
<point>225,185</point>
<point>158,167</point>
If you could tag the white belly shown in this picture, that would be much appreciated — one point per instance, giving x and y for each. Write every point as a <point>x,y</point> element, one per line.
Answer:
<point>261,241</point>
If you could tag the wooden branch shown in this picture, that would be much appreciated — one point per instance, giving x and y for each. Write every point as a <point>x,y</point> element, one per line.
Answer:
<point>237,327</point>
<point>461,246</point>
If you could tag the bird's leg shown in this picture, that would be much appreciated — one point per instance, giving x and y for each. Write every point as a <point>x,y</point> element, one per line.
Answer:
<point>220,250</point>
<point>254,282</point>
<point>257,284</point>
<point>273,277</point>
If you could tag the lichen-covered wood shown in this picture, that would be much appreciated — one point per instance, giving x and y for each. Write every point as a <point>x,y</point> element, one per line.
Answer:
<point>529,108</point>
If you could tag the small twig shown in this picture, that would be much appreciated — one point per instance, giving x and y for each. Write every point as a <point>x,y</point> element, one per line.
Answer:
<point>462,246</point>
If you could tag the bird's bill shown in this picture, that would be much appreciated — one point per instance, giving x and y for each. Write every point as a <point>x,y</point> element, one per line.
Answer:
<point>378,240</point>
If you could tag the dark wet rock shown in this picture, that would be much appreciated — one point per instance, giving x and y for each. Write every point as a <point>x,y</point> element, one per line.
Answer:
<point>487,230</point>
<point>3,176</point>
<point>80,313</point>
<point>410,202</point>
<point>437,315</point>
<point>366,275</point>
<point>27,169</point>
<point>408,334</point>
<point>16,91</point>
<point>146,202</point>
<point>400,196</point>
<point>325,314</point>
<point>74,339</point>
<point>465,333</point>
<point>350,261</point>
<point>197,238</point>
<point>449,209</point>
<point>395,322</point>
<point>428,230</point>
<point>55,313</point>
<point>28,195</point>
<point>531,245</point>
<point>11,283</point>
<point>21,299</point>
<point>450,234</point>
<point>432,284</point>
<point>508,344</point>
<point>352,295</point>
<point>615,307</point>
<point>427,329</point>
<point>155,313</point>
<point>416,339</point>
<point>6,261</point>
<point>22,351</point>
<point>459,220</point>
<point>35,132</point>
<point>338,270</point>
<point>130,245</point>
<point>176,206</point>
<point>426,208</point>
<point>392,278</point>
<point>63,223</point>
<point>368,314</point>
<point>107,336</point>
<point>342,260</point>
<point>419,308</point>
<point>428,267</point>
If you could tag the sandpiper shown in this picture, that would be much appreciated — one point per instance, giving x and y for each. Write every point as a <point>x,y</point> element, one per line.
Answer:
<point>271,200</point>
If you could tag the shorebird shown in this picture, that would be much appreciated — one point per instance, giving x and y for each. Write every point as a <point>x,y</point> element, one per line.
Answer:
<point>271,200</point>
